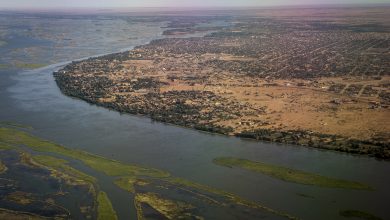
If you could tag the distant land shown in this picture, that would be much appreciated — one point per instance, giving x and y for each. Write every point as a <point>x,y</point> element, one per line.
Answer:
<point>315,77</point>
<point>176,10</point>
<point>260,113</point>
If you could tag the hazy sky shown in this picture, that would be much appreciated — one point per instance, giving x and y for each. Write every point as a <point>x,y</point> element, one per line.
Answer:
<point>169,3</point>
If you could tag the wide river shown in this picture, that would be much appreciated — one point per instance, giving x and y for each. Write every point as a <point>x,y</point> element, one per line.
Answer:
<point>31,97</point>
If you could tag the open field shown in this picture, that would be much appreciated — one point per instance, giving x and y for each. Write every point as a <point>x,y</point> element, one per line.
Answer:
<point>317,81</point>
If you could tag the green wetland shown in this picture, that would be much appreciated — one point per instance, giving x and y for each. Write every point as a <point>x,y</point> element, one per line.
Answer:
<point>160,186</point>
<point>289,175</point>
<point>88,162</point>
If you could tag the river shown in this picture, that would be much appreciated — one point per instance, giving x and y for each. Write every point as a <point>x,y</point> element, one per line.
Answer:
<point>31,97</point>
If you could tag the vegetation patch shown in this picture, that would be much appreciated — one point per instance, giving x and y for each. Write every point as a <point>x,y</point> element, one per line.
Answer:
<point>127,174</point>
<point>14,124</point>
<point>231,197</point>
<point>21,198</point>
<point>126,183</point>
<point>109,167</point>
<point>26,159</point>
<point>4,146</point>
<point>359,214</point>
<point>105,209</point>
<point>61,169</point>
<point>29,65</point>
<point>31,202</point>
<point>290,175</point>
<point>4,66</point>
<point>10,214</point>
<point>170,209</point>
<point>3,168</point>
<point>65,182</point>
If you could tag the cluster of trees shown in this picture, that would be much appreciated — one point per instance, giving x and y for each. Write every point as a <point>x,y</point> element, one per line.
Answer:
<point>379,149</point>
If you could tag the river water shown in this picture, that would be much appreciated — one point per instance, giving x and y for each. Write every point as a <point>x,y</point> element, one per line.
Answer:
<point>31,97</point>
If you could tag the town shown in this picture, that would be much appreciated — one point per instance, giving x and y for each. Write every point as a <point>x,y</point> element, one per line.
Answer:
<point>316,83</point>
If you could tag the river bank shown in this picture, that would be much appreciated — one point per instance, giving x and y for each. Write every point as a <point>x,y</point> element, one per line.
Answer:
<point>109,81</point>
<point>33,98</point>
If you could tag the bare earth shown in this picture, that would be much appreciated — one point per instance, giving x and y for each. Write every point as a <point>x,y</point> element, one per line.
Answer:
<point>322,82</point>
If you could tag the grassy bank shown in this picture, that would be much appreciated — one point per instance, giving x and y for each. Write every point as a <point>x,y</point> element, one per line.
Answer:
<point>168,208</point>
<point>14,124</point>
<point>105,209</point>
<point>61,165</point>
<point>126,183</point>
<point>127,174</point>
<point>290,175</point>
<point>109,167</point>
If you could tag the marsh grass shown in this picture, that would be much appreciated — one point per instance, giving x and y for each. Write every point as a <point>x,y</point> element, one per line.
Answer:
<point>4,146</point>
<point>229,196</point>
<point>13,215</point>
<point>15,125</point>
<point>126,183</point>
<point>110,167</point>
<point>3,168</point>
<point>290,175</point>
<point>169,208</point>
<point>105,209</point>
<point>127,174</point>
<point>62,166</point>
<point>4,66</point>
<point>29,65</point>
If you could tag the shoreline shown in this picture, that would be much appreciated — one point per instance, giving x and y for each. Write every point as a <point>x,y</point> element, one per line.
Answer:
<point>378,148</point>
<point>267,138</point>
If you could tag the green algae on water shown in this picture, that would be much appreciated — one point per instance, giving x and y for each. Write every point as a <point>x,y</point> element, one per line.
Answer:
<point>105,209</point>
<point>290,175</point>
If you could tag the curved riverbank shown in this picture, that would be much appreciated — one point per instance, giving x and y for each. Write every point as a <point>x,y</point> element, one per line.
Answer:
<point>249,79</point>
<point>34,98</point>
<point>176,110</point>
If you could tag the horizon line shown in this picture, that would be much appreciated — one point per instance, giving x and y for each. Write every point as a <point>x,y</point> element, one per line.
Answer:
<point>196,7</point>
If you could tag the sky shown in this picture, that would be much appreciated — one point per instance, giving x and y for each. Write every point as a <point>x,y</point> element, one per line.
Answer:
<point>171,3</point>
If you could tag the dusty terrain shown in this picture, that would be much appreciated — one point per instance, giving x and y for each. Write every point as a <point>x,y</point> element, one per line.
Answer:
<point>313,82</point>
